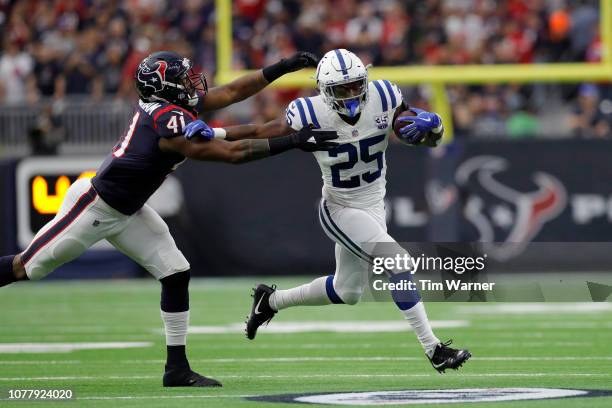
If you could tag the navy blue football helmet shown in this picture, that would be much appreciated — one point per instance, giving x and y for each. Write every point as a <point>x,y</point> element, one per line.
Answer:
<point>169,77</point>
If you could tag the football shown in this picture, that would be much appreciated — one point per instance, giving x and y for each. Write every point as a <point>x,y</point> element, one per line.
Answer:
<point>397,125</point>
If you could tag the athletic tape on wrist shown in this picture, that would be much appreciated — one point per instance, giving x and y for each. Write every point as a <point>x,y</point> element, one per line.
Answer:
<point>219,133</point>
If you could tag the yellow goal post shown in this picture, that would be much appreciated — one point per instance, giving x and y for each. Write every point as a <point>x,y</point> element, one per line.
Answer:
<point>437,76</point>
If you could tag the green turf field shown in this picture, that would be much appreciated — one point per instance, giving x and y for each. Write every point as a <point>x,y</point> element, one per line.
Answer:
<point>544,349</point>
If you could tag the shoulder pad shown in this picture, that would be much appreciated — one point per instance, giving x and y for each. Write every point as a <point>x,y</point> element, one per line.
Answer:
<point>301,113</point>
<point>387,93</point>
<point>170,120</point>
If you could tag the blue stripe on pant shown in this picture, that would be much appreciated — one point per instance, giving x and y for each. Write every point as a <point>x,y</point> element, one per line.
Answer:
<point>329,224</point>
<point>331,292</point>
<point>326,226</point>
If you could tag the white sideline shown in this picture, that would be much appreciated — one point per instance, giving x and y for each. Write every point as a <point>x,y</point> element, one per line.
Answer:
<point>537,307</point>
<point>306,359</point>
<point>343,326</point>
<point>306,376</point>
<point>335,346</point>
<point>143,397</point>
<point>370,358</point>
<point>69,347</point>
<point>39,362</point>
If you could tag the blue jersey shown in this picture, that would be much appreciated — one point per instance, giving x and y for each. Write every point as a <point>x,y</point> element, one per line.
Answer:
<point>136,167</point>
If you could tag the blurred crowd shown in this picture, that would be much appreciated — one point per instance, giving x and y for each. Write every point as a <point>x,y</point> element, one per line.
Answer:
<point>89,49</point>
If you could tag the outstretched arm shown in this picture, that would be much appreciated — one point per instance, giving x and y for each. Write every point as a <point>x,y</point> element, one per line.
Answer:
<point>248,85</point>
<point>235,91</point>
<point>274,128</point>
<point>218,150</point>
<point>242,151</point>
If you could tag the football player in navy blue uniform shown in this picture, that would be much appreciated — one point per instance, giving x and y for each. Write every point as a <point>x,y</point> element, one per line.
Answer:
<point>112,205</point>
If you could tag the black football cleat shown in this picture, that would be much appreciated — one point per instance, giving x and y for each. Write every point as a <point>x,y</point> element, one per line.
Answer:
<point>447,357</point>
<point>261,312</point>
<point>184,377</point>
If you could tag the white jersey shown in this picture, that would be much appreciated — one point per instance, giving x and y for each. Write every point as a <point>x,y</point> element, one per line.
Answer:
<point>353,172</point>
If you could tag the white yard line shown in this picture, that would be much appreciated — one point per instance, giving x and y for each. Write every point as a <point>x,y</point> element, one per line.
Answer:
<point>146,397</point>
<point>69,347</point>
<point>332,346</point>
<point>342,326</point>
<point>39,362</point>
<point>303,376</point>
<point>563,325</point>
<point>304,359</point>
<point>370,358</point>
<point>537,307</point>
<point>81,377</point>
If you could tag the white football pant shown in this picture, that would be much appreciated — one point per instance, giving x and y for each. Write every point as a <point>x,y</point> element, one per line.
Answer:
<point>84,219</point>
<point>356,233</point>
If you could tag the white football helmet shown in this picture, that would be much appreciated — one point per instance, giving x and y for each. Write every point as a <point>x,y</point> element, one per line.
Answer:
<point>342,79</point>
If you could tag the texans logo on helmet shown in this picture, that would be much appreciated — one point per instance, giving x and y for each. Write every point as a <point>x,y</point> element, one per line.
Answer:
<point>153,78</point>
<point>504,217</point>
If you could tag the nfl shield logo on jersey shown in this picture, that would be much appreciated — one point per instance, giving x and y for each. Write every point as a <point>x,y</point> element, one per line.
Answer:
<point>382,121</point>
<point>355,133</point>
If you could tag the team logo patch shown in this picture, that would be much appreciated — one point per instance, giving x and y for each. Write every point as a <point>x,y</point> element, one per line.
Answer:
<point>382,121</point>
<point>417,397</point>
<point>153,78</point>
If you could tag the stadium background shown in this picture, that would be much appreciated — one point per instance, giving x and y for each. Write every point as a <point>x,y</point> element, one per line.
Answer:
<point>523,86</point>
<point>524,89</point>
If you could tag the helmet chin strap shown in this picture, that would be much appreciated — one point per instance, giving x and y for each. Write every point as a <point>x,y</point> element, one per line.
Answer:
<point>193,100</point>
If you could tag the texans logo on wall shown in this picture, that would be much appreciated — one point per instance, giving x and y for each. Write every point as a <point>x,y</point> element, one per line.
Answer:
<point>505,208</point>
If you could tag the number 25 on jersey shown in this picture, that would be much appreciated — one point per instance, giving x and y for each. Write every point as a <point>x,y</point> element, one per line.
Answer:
<point>355,154</point>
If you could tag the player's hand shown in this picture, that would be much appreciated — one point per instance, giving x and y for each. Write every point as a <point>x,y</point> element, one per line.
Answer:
<point>418,126</point>
<point>299,60</point>
<point>296,62</point>
<point>315,140</point>
<point>198,128</point>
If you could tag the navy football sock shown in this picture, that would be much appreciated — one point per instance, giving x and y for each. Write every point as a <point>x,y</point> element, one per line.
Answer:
<point>175,313</point>
<point>177,358</point>
<point>406,297</point>
<point>175,292</point>
<point>7,276</point>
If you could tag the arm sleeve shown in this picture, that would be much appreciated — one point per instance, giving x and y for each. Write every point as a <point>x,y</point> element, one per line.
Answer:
<point>170,121</point>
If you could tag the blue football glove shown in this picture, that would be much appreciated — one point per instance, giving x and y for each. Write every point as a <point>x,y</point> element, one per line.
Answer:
<point>198,128</point>
<point>419,126</point>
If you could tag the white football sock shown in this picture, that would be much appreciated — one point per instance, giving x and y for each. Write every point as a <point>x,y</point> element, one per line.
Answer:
<point>176,325</point>
<point>417,317</point>
<point>309,294</point>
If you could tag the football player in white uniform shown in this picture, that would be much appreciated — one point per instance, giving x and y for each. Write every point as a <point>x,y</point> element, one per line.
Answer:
<point>352,211</point>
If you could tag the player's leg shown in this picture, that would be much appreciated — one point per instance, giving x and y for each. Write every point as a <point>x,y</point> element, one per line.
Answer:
<point>147,240</point>
<point>360,231</point>
<point>61,240</point>
<point>345,286</point>
<point>364,233</point>
<point>11,270</point>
